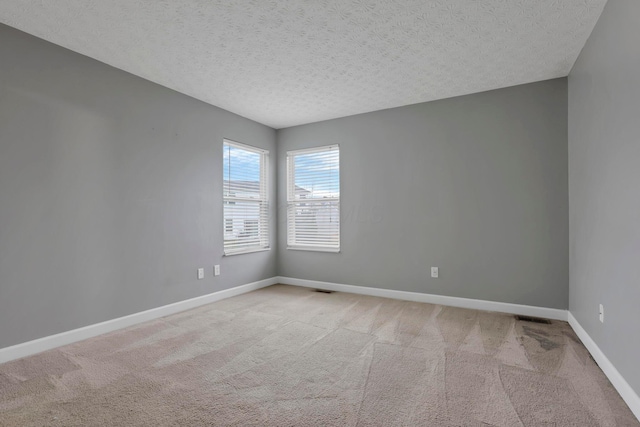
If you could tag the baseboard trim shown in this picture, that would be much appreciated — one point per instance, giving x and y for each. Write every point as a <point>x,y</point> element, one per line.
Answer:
<point>29,348</point>
<point>47,343</point>
<point>502,307</point>
<point>627,393</point>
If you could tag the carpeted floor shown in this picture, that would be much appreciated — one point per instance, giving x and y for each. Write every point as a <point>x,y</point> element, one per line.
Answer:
<point>289,356</point>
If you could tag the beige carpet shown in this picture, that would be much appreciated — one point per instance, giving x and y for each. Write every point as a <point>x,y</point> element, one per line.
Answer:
<point>288,356</point>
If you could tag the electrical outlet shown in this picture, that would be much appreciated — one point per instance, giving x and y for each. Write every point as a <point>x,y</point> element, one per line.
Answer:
<point>601,311</point>
<point>200,273</point>
<point>434,272</point>
<point>216,270</point>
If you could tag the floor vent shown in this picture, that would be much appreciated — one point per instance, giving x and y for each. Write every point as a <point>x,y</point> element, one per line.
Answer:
<point>323,291</point>
<point>533,319</point>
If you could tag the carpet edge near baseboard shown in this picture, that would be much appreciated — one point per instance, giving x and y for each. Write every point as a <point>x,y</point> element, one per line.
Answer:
<point>475,304</point>
<point>57,340</point>
<point>50,342</point>
<point>628,394</point>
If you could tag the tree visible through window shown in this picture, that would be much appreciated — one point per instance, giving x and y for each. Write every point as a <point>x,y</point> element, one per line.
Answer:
<point>245,204</point>
<point>313,199</point>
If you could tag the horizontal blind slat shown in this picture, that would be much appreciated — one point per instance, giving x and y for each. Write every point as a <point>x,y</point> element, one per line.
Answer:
<point>313,196</point>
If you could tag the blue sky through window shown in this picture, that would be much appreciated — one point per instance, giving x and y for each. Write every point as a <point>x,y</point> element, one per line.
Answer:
<point>318,173</point>
<point>241,165</point>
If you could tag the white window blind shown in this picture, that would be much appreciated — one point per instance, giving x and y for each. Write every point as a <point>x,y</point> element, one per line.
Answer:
<point>245,204</point>
<point>313,199</point>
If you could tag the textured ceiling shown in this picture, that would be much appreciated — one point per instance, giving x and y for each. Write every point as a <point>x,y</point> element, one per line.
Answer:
<point>288,62</point>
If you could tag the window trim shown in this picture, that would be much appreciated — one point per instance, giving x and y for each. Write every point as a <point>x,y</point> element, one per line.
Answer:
<point>291,201</point>
<point>264,241</point>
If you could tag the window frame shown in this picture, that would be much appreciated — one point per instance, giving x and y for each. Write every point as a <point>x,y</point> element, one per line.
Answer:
<point>264,228</point>
<point>291,199</point>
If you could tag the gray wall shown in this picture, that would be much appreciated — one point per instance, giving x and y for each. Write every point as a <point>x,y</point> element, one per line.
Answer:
<point>110,192</point>
<point>604,186</point>
<point>475,185</point>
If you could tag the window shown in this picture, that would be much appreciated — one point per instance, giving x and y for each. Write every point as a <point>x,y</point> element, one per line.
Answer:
<point>245,204</point>
<point>313,199</point>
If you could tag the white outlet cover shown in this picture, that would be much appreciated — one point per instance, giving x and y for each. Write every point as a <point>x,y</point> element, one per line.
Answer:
<point>216,270</point>
<point>200,273</point>
<point>434,272</point>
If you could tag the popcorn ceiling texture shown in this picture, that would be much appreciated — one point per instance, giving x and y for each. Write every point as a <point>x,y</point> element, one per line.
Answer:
<point>285,63</point>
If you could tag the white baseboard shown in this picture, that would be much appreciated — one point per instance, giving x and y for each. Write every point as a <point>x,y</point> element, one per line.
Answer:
<point>630,397</point>
<point>47,343</point>
<point>628,394</point>
<point>503,307</point>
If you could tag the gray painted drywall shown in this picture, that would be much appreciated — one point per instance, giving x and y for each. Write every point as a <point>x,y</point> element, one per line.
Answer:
<point>109,200</point>
<point>604,186</point>
<point>110,192</point>
<point>475,185</point>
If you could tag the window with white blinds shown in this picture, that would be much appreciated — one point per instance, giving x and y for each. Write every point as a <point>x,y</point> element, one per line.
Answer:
<point>313,199</point>
<point>245,204</point>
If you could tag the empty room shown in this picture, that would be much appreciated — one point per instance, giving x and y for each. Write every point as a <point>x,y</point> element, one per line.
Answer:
<point>320,213</point>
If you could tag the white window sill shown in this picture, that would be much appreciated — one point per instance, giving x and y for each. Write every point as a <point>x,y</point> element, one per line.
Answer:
<point>313,249</point>
<point>247,251</point>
